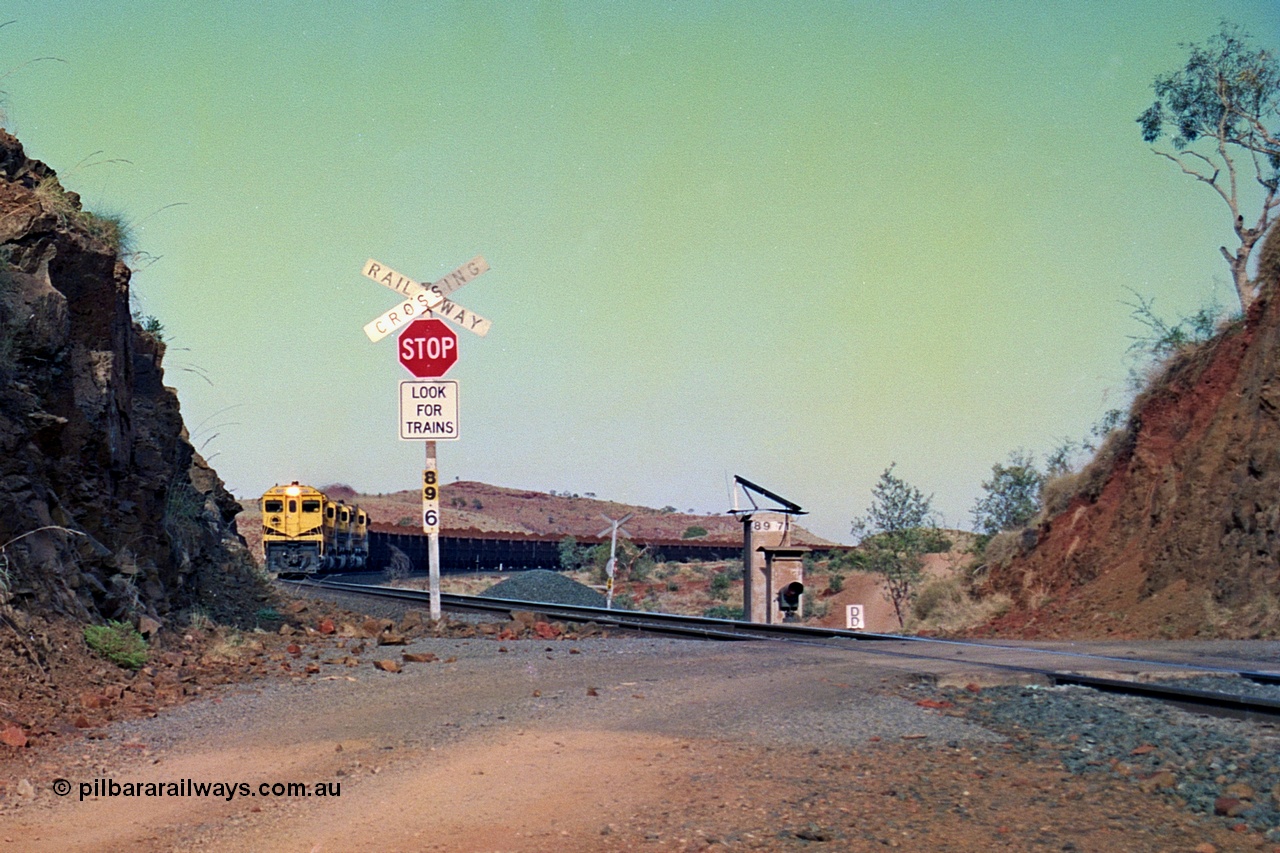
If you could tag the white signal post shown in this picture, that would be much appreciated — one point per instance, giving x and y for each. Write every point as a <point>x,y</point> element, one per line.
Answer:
<point>431,411</point>
<point>611,568</point>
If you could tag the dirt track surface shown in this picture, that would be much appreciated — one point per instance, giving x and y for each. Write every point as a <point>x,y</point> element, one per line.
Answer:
<point>597,745</point>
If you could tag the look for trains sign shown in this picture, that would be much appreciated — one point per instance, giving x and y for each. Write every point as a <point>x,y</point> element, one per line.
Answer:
<point>428,410</point>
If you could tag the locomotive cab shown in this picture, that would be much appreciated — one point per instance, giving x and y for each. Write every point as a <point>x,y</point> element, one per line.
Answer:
<point>359,538</point>
<point>303,532</point>
<point>292,529</point>
<point>342,536</point>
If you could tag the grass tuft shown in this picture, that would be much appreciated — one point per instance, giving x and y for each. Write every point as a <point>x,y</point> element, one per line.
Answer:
<point>118,642</point>
<point>109,229</point>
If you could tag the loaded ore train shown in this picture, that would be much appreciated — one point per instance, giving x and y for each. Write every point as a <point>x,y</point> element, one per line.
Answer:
<point>304,532</point>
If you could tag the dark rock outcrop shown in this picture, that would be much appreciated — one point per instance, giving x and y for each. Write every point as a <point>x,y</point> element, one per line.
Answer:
<point>106,510</point>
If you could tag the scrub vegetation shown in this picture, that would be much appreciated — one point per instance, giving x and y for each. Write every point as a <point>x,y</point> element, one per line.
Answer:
<point>112,230</point>
<point>899,528</point>
<point>118,642</point>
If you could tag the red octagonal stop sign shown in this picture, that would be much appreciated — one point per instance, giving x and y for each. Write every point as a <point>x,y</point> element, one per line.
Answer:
<point>428,348</point>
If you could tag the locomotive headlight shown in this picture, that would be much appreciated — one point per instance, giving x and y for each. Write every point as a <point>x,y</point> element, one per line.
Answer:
<point>293,491</point>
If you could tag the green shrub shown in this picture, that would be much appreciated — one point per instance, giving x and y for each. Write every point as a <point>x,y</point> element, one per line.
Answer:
<point>572,555</point>
<point>694,531</point>
<point>118,642</point>
<point>1163,339</point>
<point>269,616</point>
<point>150,324</point>
<point>723,611</point>
<point>815,608</point>
<point>642,569</point>
<point>835,582</point>
<point>720,586</point>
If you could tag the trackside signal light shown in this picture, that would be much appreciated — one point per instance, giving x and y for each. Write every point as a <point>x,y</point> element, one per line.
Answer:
<point>789,597</point>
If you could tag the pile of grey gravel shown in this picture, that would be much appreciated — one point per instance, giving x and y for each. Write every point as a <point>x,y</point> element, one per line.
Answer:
<point>546,587</point>
<point>1213,765</point>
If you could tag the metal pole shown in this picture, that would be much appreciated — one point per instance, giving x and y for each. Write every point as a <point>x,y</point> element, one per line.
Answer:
<point>611,567</point>
<point>431,521</point>
<point>610,570</point>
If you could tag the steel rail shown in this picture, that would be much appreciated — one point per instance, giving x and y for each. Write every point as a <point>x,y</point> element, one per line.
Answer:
<point>734,629</point>
<point>1237,705</point>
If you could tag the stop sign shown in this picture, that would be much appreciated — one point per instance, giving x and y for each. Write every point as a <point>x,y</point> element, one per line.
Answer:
<point>428,348</point>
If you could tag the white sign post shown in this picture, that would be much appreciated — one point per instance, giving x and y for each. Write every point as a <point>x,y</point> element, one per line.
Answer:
<point>431,498</point>
<point>853,617</point>
<point>431,526</point>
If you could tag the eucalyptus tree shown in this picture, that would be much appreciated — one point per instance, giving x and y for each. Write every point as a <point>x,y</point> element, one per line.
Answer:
<point>1220,113</point>
<point>900,527</point>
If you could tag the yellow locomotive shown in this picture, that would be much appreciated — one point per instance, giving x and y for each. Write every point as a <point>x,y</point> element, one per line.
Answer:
<point>303,532</point>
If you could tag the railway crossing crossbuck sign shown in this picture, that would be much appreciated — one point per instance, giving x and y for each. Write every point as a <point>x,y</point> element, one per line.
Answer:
<point>428,348</point>
<point>424,299</point>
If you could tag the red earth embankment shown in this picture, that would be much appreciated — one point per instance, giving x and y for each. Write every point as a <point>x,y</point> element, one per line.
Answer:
<point>1174,528</point>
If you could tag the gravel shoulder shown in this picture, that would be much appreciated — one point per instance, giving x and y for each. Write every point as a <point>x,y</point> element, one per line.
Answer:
<point>600,744</point>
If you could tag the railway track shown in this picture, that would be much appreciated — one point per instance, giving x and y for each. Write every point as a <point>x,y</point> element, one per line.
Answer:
<point>1110,673</point>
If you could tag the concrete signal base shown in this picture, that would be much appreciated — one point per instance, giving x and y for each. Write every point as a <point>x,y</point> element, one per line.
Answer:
<point>770,563</point>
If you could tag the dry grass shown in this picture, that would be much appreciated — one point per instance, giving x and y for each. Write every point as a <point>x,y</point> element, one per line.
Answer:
<point>53,198</point>
<point>232,645</point>
<point>945,606</point>
<point>1182,368</point>
<point>1184,365</point>
<point>1002,548</point>
<point>1058,492</point>
<point>1269,256</point>
<point>1258,618</point>
<point>108,229</point>
<point>1056,495</point>
<point>1261,616</point>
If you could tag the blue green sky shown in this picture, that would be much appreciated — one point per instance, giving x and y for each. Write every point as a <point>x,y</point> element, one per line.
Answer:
<point>792,241</point>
